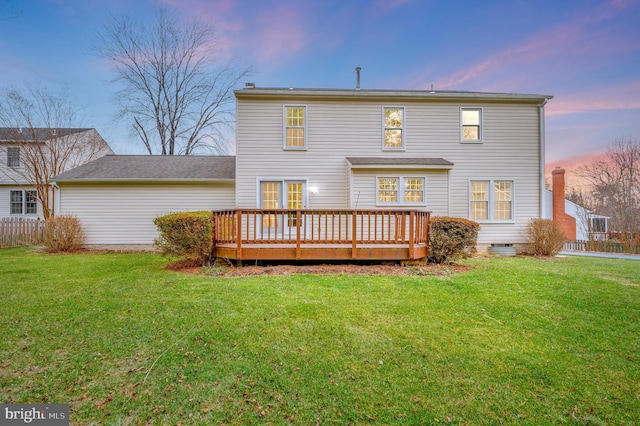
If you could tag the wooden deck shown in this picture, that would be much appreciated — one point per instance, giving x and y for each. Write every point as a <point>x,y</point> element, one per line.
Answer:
<point>257,234</point>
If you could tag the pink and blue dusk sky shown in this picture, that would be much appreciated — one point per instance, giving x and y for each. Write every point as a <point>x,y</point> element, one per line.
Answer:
<point>586,53</point>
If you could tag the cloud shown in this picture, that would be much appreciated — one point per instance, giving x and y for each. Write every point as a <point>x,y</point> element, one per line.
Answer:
<point>264,32</point>
<point>619,97</point>
<point>386,6</point>
<point>280,33</point>
<point>579,40</point>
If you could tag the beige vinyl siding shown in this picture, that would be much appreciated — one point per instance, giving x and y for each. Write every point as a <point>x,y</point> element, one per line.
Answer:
<point>510,150</point>
<point>119,214</point>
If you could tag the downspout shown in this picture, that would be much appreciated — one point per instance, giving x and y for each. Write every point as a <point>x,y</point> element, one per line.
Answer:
<point>542,155</point>
<point>56,199</point>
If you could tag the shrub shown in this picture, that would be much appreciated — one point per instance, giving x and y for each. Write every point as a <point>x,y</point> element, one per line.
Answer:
<point>62,234</point>
<point>544,237</point>
<point>452,238</point>
<point>186,234</point>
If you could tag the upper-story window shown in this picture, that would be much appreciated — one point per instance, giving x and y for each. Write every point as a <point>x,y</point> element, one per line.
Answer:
<point>13,157</point>
<point>401,190</point>
<point>393,128</point>
<point>295,129</point>
<point>471,124</point>
<point>491,200</point>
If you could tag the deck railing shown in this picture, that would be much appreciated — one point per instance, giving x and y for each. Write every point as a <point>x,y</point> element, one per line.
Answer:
<point>304,228</point>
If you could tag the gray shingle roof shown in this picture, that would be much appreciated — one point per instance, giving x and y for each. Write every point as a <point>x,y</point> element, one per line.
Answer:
<point>28,134</point>
<point>394,161</point>
<point>113,168</point>
<point>421,95</point>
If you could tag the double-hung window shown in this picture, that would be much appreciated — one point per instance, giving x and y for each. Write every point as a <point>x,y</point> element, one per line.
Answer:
<point>491,200</point>
<point>13,157</point>
<point>471,124</point>
<point>295,129</point>
<point>23,202</point>
<point>400,190</point>
<point>393,133</point>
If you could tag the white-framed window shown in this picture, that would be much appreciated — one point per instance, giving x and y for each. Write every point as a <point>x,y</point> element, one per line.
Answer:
<point>281,194</point>
<point>471,124</point>
<point>491,200</point>
<point>13,156</point>
<point>295,127</point>
<point>393,128</point>
<point>23,202</point>
<point>400,190</point>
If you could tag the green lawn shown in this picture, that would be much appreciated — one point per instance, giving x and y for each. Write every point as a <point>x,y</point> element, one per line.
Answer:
<point>513,341</point>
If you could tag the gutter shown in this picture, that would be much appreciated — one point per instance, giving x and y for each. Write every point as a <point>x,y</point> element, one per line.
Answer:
<point>56,198</point>
<point>142,180</point>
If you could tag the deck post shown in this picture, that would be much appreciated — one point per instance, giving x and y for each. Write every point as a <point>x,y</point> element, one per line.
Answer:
<point>354,234</point>
<point>239,234</point>
<point>412,218</point>
<point>215,233</point>
<point>298,228</point>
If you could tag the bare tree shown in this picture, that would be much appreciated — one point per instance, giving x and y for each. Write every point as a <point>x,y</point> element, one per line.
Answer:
<point>176,93</point>
<point>46,129</point>
<point>615,186</point>
<point>9,10</point>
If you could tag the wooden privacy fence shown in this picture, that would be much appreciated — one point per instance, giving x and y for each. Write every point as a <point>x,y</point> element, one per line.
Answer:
<point>20,231</point>
<point>321,234</point>
<point>606,246</point>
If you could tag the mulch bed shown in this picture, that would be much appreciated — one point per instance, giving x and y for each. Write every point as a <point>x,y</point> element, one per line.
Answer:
<point>226,270</point>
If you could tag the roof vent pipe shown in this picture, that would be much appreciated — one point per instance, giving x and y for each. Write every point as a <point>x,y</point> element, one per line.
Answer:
<point>358,78</point>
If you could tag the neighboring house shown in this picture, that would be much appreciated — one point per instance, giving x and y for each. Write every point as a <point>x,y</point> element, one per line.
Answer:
<point>117,197</point>
<point>466,154</point>
<point>577,222</point>
<point>18,196</point>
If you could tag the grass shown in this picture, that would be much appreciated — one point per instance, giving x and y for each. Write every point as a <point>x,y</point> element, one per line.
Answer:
<point>513,341</point>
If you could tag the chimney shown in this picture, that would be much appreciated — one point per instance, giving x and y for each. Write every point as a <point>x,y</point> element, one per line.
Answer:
<point>358,78</point>
<point>567,223</point>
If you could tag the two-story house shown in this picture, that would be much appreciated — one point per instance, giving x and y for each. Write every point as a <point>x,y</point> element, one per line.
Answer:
<point>474,155</point>
<point>466,154</point>
<point>26,153</point>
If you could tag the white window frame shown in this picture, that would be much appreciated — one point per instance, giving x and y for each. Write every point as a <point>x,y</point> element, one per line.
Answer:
<point>282,198</point>
<point>285,127</point>
<point>23,202</point>
<point>400,196</point>
<point>13,161</point>
<point>480,125</point>
<point>491,201</point>
<point>402,128</point>
<point>283,184</point>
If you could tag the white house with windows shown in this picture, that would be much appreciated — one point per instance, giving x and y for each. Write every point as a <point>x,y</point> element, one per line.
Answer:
<point>466,154</point>
<point>21,148</point>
